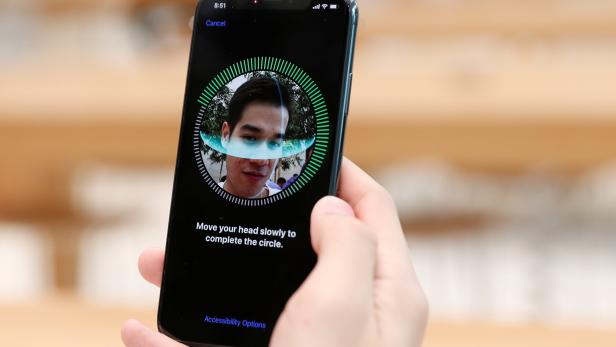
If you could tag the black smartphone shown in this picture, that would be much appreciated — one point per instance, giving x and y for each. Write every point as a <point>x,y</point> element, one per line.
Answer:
<point>261,138</point>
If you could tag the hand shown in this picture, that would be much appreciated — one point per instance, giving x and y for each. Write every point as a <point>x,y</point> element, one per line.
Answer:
<point>363,291</point>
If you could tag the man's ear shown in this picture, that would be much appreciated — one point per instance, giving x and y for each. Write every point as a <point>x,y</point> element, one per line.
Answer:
<point>226,130</point>
<point>287,115</point>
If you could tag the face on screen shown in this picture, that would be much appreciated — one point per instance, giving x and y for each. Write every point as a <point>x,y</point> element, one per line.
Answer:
<point>259,124</point>
<point>268,125</point>
<point>259,141</point>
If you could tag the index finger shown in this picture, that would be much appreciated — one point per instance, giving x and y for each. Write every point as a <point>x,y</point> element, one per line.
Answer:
<point>374,206</point>
<point>151,265</point>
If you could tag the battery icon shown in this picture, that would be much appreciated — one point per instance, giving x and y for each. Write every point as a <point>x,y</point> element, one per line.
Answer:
<point>333,6</point>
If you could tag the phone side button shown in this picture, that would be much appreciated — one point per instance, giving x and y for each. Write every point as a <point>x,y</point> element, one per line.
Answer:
<point>348,100</point>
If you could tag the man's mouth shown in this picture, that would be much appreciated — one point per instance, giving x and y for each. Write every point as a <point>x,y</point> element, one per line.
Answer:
<point>253,175</point>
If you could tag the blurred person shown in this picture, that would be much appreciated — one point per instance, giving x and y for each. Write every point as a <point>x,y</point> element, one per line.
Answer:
<point>296,176</point>
<point>290,181</point>
<point>363,290</point>
<point>281,182</point>
<point>273,185</point>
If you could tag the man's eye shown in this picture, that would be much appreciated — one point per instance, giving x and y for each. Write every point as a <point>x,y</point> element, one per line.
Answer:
<point>274,144</point>
<point>250,140</point>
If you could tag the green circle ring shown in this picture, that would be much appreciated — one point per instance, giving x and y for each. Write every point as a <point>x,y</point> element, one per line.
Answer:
<point>319,108</point>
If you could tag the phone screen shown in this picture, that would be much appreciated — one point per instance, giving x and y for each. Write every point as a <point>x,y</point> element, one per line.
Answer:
<point>260,144</point>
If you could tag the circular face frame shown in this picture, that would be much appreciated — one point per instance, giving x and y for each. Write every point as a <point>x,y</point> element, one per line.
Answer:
<point>319,108</point>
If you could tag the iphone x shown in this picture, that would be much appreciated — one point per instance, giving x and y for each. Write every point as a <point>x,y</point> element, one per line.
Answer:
<point>266,102</point>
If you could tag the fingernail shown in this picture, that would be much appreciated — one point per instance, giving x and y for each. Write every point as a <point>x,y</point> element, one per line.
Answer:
<point>333,205</point>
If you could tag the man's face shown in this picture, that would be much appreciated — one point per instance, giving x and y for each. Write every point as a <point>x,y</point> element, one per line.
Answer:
<point>260,123</point>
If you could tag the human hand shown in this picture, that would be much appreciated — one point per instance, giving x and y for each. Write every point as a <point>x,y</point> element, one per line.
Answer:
<point>363,291</point>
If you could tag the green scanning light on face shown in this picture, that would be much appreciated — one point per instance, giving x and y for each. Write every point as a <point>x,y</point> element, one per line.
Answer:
<point>258,150</point>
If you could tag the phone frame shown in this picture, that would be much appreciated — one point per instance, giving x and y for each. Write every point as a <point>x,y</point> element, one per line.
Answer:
<point>353,11</point>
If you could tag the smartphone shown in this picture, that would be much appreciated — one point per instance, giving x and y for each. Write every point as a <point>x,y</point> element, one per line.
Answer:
<point>261,140</point>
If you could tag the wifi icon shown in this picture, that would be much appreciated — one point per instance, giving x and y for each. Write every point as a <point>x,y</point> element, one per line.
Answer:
<point>324,6</point>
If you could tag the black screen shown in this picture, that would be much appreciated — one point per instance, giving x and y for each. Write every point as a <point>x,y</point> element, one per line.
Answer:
<point>229,287</point>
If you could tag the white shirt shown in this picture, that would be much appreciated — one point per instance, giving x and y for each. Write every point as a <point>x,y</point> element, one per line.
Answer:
<point>270,191</point>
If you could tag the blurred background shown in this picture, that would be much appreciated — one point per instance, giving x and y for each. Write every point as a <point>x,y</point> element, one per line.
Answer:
<point>492,122</point>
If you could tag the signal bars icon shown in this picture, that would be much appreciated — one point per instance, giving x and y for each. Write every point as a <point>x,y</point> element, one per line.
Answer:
<point>325,6</point>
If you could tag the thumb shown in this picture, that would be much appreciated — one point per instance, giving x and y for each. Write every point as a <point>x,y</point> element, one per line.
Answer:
<point>329,208</point>
<point>334,303</point>
<point>345,246</point>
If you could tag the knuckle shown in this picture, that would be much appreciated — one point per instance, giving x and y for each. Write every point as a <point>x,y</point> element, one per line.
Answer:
<point>323,303</point>
<point>422,305</point>
<point>348,227</point>
<point>412,303</point>
<point>386,197</point>
<point>314,311</point>
<point>301,311</point>
<point>357,232</point>
<point>365,235</point>
<point>295,305</point>
<point>383,195</point>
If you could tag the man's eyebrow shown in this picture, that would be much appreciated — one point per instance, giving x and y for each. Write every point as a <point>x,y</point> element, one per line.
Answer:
<point>251,128</point>
<point>256,130</point>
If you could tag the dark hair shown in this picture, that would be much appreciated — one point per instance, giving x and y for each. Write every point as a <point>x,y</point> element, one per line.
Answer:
<point>263,89</point>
